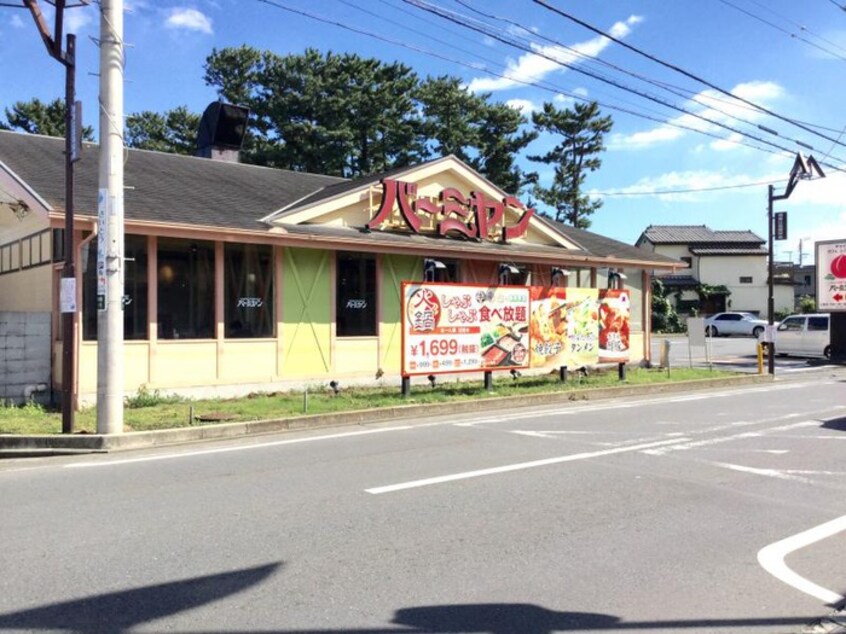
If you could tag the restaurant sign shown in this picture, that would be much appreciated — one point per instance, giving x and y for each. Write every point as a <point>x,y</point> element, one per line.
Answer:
<point>461,328</point>
<point>831,276</point>
<point>450,213</point>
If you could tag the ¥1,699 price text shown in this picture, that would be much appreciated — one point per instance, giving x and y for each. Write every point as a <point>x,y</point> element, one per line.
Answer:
<point>438,347</point>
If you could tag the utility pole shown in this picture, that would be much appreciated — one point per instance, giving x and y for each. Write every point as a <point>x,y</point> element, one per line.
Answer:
<point>110,250</point>
<point>73,145</point>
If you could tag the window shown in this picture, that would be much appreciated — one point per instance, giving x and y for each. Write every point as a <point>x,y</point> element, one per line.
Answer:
<point>186,289</point>
<point>729,317</point>
<point>793,324</point>
<point>134,289</point>
<point>355,295</point>
<point>745,279</point>
<point>807,280</point>
<point>687,260</point>
<point>248,290</point>
<point>818,323</point>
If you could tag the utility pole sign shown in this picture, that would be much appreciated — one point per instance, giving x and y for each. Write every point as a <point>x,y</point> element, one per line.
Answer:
<point>780,219</point>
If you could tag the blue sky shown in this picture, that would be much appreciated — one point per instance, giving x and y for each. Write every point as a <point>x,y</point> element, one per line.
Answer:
<point>785,56</point>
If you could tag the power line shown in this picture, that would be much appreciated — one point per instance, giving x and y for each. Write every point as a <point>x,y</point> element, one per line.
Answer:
<point>451,16</point>
<point>680,70</point>
<point>782,30</point>
<point>659,192</point>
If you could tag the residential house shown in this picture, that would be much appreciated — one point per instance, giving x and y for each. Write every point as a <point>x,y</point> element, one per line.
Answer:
<point>727,269</point>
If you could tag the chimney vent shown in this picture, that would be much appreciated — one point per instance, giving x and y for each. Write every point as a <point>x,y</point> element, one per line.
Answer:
<point>222,131</point>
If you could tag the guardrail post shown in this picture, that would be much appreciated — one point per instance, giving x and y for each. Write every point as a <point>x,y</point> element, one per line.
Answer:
<point>621,371</point>
<point>562,373</point>
<point>406,387</point>
<point>488,380</point>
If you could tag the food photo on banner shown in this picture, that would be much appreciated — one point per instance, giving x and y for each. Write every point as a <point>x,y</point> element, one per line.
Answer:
<point>564,327</point>
<point>462,328</point>
<point>614,317</point>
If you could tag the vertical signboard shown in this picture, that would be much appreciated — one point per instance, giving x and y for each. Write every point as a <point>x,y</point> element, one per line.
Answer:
<point>461,328</point>
<point>615,311</point>
<point>564,327</point>
<point>102,246</point>
<point>831,275</point>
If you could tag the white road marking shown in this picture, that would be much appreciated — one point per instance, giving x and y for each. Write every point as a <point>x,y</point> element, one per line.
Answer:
<point>772,559</point>
<point>723,439</point>
<point>771,473</point>
<point>205,452</point>
<point>413,484</point>
<point>777,452</point>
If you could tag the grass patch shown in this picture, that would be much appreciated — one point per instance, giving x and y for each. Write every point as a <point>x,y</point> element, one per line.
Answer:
<point>148,410</point>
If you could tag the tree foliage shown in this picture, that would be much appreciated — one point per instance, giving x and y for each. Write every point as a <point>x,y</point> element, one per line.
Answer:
<point>581,131</point>
<point>171,131</point>
<point>37,117</point>
<point>351,116</point>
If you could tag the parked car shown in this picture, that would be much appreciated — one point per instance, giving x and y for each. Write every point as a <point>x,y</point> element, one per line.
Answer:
<point>725,324</point>
<point>803,336</point>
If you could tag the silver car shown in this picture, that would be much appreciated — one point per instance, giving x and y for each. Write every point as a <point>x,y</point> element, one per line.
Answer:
<point>725,324</point>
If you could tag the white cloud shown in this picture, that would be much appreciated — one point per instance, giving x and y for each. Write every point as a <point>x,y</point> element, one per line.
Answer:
<point>689,180</point>
<point>189,19</point>
<point>523,105</point>
<point>713,106</point>
<point>16,21</point>
<point>533,67</point>
<point>78,18</point>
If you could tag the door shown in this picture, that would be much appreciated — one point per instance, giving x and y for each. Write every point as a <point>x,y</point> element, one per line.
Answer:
<point>789,336</point>
<point>816,336</point>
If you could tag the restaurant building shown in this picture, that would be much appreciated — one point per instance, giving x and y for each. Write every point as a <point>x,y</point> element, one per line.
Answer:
<point>241,278</point>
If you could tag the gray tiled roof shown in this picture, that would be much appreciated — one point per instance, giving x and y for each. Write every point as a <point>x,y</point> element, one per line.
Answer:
<point>162,187</point>
<point>185,190</point>
<point>729,250</point>
<point>607,247</point>
<point>695,234</point>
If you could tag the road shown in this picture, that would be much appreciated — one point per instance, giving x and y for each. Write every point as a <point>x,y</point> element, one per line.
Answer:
<point>720,511</point>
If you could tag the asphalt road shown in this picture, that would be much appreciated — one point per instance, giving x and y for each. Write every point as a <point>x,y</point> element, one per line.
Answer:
<point>721,511</point>
<point>728,353</point>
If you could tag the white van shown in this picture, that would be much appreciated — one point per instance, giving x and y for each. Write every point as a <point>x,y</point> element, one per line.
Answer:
<point>804,336</point>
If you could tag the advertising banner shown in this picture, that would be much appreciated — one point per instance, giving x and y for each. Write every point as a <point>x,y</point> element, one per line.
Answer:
<point>614,319</point>
<point>465,328</point>
<point>461,328</point>
<point>831,276</point>
<point>564,328</point>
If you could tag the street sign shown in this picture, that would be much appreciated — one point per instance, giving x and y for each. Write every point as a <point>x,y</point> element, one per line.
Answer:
<point>780,221</point>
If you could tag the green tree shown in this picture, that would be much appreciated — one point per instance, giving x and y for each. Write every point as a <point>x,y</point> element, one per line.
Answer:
<point>501,139</point>
<point>37,117</point>
<point>452,117</point>
<point>333,114</point>
<point>581,131</point>
<point>172,131</point>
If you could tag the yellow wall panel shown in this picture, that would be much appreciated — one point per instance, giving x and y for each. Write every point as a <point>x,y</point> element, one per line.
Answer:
<point>184,363</point>
<point>394,270</point>
<point>357,356</point>
<point>248,361</point>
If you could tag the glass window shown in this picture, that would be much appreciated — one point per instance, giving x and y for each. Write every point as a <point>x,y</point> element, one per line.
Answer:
<point>792,324</point>
<point>134,289</point>
<point>248,290</point>
<point>745,279</point>
<point>186,289</point>
<point>817,323</point>
<point>355,295</point>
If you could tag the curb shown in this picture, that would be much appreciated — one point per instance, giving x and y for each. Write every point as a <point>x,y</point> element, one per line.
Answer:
<point>16,446</point>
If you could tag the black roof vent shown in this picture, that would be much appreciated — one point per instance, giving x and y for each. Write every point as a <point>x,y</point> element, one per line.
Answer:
<point>222,131</point>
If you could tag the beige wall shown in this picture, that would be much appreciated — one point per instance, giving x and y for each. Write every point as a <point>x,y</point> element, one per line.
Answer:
<point>727,270</point>
<point>27,291</point>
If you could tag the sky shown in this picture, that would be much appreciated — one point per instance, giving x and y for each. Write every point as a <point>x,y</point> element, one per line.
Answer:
<point>683,149</point>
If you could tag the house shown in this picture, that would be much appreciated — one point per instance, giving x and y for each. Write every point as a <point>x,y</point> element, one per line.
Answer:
<point>240,278</point>
<point>727,269</point>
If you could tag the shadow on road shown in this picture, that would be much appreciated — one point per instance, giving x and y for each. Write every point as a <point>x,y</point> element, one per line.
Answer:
<point>122,611</point>
<point>119,611</point>
<point>837,424</point>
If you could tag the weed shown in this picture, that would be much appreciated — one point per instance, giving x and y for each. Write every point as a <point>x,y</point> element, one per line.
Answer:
<point>145,398</point>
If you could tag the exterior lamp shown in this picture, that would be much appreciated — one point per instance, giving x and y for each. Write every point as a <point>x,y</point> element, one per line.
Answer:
<point>432,380</point>
<point>430,268</point>
<point>515,374</point>
<point>557,273</point>
<point>336,387</point>
<point>615,278</point>
<point>803,169</point>
<point>505,270</point>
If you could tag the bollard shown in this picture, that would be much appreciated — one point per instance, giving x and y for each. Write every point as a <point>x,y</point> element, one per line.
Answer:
<point>621,371</point>
<point>562,373</point>
<point>305,401</point>
<point>488,381</point>
<point>406,387</point>
<point>760,358</point>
